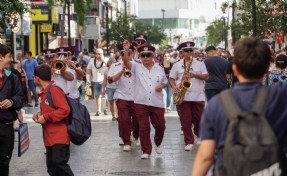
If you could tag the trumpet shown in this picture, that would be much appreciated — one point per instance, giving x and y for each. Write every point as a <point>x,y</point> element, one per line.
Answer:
<point>59,65</point>
<point>127,73</point>
<point>73,65</point>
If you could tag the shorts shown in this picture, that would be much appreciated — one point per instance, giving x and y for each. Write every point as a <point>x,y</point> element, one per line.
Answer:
<point>32,86</point>
<point>110,94</point>
<point>97,89</point>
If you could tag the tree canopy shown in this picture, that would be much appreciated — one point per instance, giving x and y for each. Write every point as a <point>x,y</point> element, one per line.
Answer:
<point>215,32</point>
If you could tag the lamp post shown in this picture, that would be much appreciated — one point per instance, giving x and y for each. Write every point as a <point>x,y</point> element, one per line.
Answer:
<point>254,18</point>
<point>162,24</point>
<point>69,24</point>
<point>107,26</point>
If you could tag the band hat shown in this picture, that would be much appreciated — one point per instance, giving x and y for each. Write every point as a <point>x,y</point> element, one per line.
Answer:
<point>185,45</point>
<point>64,50</point>
<point>120,47</point>
<point>134,44</point>
<point>140,37</point>
<point>146,49</point>
<point>49,52</point>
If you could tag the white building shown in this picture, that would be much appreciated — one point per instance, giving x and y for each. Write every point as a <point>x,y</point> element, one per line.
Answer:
<point>182,19</point>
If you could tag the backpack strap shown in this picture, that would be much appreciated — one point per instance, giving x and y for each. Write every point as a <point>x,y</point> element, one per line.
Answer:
<point>230,106</point>
<point>49,97</point>
<point>261,101</point>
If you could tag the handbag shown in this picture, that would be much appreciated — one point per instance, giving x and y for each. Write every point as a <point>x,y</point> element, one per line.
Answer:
<point>88,92</point>
<point>23,136</point>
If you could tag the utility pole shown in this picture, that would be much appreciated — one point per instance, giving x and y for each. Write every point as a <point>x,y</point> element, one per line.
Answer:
<point>162,24</point>
<point>107,26</point>
<point>69,24</point>
<point>254,30</point>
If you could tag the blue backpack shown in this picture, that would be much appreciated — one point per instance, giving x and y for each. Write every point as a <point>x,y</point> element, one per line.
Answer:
<point>79,121</point>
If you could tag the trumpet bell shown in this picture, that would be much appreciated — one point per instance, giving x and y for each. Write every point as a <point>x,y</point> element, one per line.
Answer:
<point>58,66</point>
<point>127,74</point>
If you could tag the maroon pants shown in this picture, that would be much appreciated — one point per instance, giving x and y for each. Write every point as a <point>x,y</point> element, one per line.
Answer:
<point>191,114</point>
<point>145,115</point>
<point>127,120</point>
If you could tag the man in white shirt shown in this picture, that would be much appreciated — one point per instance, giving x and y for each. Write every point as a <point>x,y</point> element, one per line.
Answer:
<point>96,69</point>
<point>125,98</point>
<point>150,80</point>
<point>78,73</point>
<point>193,103</point>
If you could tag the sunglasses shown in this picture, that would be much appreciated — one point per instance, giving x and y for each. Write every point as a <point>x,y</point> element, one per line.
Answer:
<point>49,56</point>
<point>187,50</point>
<point>146,54</point>
<point>140,42</point>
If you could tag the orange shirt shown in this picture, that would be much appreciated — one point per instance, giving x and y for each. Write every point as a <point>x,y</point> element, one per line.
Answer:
<point>55,129</point>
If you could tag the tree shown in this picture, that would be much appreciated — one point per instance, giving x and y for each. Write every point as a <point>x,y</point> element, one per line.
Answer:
<point>216,32</point>
<point>7,7</point>
<point>125,27</point>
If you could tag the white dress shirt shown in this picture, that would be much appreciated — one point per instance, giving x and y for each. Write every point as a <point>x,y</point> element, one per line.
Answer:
<point>196,91</point>
<point>60,81</point>
<point>145,83</point>
<point>72,87</point>
<point>125,86</point>
<point>97,73</point>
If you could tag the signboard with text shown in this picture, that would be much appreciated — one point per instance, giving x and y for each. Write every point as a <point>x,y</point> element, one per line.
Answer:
<point>38,2</point>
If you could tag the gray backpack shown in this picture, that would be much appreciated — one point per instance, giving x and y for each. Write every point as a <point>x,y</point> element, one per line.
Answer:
<point>251,147</point>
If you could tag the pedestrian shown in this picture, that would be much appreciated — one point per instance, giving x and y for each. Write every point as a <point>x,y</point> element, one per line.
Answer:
<point>192,70</point>
<point>11,101</point>
<point>150,80</point>
<point>216,66</point>
<point>53,121</point>
<point>95,70</point>
<point>167,65</point>
<point>278,74</point>
<point>251,61</point>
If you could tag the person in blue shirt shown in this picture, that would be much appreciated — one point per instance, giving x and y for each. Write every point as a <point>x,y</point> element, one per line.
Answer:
<point>29,66</point>
<point>251,61</point>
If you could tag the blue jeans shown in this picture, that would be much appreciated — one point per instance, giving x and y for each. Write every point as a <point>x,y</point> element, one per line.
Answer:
<point>167,96</point>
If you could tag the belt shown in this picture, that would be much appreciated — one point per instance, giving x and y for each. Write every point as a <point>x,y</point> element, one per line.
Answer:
<point>6,124</point>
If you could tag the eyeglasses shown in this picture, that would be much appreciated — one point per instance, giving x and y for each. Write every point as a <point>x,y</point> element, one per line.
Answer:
<point>140,42</point>
<point>187,50</point>
<point>146,55</point>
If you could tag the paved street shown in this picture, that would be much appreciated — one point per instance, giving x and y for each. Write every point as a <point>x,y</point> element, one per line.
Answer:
<point>101,154</point>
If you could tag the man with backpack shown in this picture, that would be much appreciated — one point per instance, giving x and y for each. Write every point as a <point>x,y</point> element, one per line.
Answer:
<point>243,130</point>
<point>54,123</point>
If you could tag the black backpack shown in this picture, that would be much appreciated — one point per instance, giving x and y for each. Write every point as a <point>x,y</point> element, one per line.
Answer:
<point>79,122</point>
<point>251,147</point>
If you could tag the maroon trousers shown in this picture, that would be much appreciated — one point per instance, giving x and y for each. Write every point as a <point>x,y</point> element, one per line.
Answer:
<point>155,116</point>
<point>127,120</point>
<point>191,112</point>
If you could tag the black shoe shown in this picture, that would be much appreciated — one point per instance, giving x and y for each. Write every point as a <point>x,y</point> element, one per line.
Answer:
<point>98,113</point>
<point>106,112</point>
<point>36,105</point>
<point>28,105</point>
<point>113,119</point>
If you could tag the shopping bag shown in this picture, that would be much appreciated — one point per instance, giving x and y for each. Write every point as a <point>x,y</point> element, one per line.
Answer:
<point>24,141</point>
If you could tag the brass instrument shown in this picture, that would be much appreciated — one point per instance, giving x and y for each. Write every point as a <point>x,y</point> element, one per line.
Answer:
<point>73,65</point>
<point>59,65</point>
<point>185,84</point>
<point>127,73</point>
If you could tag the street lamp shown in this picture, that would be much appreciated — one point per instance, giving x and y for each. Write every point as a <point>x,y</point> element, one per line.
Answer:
<point>162,10</point>
<point>107,26</point>
<point>69,23</point>
<point>254,18</point>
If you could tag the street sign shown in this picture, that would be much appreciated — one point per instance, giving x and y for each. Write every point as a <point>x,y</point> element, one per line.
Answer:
<point>46,28</point>
<point>58,33</point>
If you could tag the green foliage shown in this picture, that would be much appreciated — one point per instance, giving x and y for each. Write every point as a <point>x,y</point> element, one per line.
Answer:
<point>126,27</point>
<point>81,6</point>
<point>7,7</point>
<point>215,32</point>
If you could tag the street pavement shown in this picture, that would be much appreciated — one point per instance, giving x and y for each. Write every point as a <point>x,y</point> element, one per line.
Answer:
<point>101,155</point>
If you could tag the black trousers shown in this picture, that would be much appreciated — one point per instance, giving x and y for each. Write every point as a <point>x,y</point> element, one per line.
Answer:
<point>6,147</point>
<point>57,160</point>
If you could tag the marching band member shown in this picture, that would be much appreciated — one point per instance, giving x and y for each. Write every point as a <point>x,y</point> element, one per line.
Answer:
<point>194,97</point>
<point>124,95</point>
<point>96,68</point>
<point>150,79</point>
<point>139,41</point>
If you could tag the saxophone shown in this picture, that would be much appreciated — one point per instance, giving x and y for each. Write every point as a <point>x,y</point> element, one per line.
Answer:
<point>184,85</point>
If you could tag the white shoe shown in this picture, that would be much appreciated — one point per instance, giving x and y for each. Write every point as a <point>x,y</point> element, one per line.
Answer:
<point>121,142</point>
<point>198,141</point>
<point>181,132</point>
<point>159,149</point>
<point>135,141</point>
<point>145,156</point>
<point>188,147</point>
<point>127,148</point>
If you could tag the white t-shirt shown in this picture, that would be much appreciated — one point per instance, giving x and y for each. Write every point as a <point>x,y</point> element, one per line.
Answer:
<point>146,82</point>
<point>196,92</point>
<point>125,86</point>
<point>110,85</point>
<point>60,81</point>
<point>72,87</point>
<point>97,73</point>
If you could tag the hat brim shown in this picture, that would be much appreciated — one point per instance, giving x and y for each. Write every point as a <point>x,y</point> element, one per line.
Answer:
<point>140,38</point>
<point>188,47</point>
<point>146,52</point>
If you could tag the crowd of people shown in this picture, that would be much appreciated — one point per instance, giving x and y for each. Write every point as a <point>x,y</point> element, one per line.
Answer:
<point>141,85</point>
